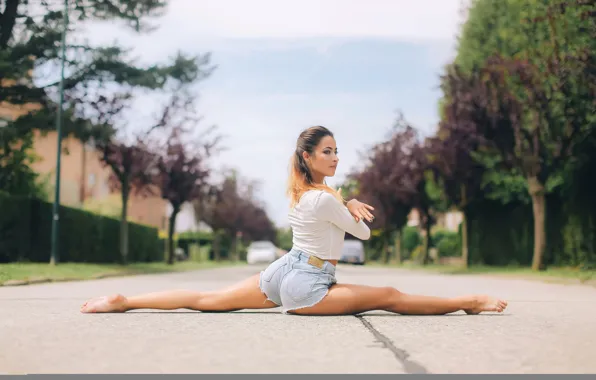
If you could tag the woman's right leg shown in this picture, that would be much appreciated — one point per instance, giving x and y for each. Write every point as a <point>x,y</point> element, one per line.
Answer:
<point>244,295</point>
<point>347,299</point>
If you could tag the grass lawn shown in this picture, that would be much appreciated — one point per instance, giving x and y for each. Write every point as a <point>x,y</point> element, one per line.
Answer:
<point>553,274</point>
<point>81,271</point>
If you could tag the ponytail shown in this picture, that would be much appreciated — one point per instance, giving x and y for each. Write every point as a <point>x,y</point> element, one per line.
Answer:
<point>300,180</point>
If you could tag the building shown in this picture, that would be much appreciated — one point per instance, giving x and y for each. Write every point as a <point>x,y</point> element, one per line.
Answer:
<point>449,220</point>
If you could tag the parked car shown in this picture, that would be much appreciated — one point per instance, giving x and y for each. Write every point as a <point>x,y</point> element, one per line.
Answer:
<point>261,252</point>
<point>353,252</point>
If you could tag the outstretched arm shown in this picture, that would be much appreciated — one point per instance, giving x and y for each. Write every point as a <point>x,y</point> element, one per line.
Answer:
<point>331,210</point>
<point>359,210</point>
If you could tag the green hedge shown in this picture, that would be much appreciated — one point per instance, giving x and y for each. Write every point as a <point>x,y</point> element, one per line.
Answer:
<point>447,243</point>
<point>26,227</point>
<point>504,234</point>
<point>410,240</point>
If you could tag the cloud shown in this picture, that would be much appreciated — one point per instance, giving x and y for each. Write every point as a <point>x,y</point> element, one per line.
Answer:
<point>273,24</point>
<point>403,19</point>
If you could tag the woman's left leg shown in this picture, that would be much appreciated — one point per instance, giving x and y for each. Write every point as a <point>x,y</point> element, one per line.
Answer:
<point>347,299</point>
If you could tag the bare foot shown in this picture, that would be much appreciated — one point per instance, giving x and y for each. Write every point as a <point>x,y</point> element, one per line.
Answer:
<point>486,303</point>
<point>107,304</point>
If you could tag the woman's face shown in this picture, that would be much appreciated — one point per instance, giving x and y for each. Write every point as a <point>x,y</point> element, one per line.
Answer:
<point>323,160</point>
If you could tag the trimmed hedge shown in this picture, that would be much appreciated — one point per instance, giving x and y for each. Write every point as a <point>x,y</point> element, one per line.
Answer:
<point>504,234</point>
<point>26,227</point>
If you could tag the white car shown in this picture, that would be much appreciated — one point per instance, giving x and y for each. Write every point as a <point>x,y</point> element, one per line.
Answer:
<point>352,252</point>
<point>261,252</point>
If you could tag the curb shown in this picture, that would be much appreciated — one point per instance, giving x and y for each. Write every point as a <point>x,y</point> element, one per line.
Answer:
<point>99,276</point>
<point>15,283</point>
<point>34,281</point>
<point>43,280</point>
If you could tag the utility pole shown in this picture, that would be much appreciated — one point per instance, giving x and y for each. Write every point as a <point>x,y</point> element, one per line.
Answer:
<point>56,210</point>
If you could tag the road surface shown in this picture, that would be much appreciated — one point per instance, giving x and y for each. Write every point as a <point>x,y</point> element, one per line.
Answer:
<point>547,328</point>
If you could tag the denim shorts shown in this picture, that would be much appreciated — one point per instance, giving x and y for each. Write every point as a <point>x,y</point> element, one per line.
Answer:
<point>296,280</point>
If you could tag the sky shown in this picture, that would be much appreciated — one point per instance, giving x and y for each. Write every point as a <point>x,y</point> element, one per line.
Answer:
<point>283,66</point>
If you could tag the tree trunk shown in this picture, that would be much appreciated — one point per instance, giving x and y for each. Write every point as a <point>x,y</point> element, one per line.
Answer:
<point>234,247</point>
<point>536,189</point>
<point>397,246</point>
<point>124,224</point>
<point>83,184</point>
<point>386,255</point>
<point>216,246</point>
<point>171,227</point>
<point>465,257</point>
<point>8,21</point>
<point>426,257</point>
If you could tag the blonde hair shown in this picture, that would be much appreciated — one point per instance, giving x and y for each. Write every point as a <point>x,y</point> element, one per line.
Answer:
<point>300,179</point>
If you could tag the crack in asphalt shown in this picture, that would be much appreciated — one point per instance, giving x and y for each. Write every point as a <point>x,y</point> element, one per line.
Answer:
<point>401,355</point>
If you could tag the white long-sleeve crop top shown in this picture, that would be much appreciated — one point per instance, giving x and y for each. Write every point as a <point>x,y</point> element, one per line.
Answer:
<point>319,223</point>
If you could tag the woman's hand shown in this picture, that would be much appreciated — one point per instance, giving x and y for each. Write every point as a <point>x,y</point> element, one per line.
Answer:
<point>360,210</point>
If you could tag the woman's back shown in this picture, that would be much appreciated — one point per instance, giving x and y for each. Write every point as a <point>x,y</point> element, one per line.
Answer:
<point>319,222</point>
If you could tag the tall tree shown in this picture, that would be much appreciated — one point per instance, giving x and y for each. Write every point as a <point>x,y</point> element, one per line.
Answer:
<point>257,224</point>
<point>183,173</point>
<point>31,30</point>
<point>386,183</point>
<point>131,160</point>
<point>525,132</point>
<point>231,210</point>
<point>133,170</point>
<point>451,157</point>
<point>533,93</point>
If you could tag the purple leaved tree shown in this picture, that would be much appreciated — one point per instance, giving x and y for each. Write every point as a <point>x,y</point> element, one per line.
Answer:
<point>183,174</point>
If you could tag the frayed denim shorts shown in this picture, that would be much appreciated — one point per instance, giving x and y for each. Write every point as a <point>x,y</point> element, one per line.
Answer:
<point>297,280</point>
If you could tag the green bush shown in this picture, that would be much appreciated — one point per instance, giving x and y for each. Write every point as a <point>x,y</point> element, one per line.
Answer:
<point>26,227</point>
<point>410,240</point>
<point>436,237</point>
<point>15,228</point>
<point>447,243</point>
<point>449,246</point>
<point>417,254</point>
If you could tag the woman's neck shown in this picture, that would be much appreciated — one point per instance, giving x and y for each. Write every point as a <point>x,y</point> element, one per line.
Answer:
<point>318,179</point>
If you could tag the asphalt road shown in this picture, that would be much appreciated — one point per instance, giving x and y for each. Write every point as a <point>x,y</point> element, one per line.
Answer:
<point>547,328</point>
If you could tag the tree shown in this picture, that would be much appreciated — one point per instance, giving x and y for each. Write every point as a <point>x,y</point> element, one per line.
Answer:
<point>258,226</point>
<point>205,209</point>
<point>131,160</point>
<point>427,197</point>
<point>451,155</point>
<point>30,31</point>
<point>536,101</point>
<point>396,180</point>
<point>231,210</point>
<point>16,175</point>
<point>133,170</point>
<point>284,238</point>
<point>183,174</point>
<point>524,131</point>
<point>386,183</point>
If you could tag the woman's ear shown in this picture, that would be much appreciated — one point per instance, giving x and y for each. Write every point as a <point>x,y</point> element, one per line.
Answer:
<point>305,156</point>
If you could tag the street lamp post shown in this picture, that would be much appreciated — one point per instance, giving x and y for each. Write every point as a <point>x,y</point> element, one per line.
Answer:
<point>56,209</point>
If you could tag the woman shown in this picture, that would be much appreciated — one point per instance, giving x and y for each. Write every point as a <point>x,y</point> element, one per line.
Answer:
<point>303,281</point>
